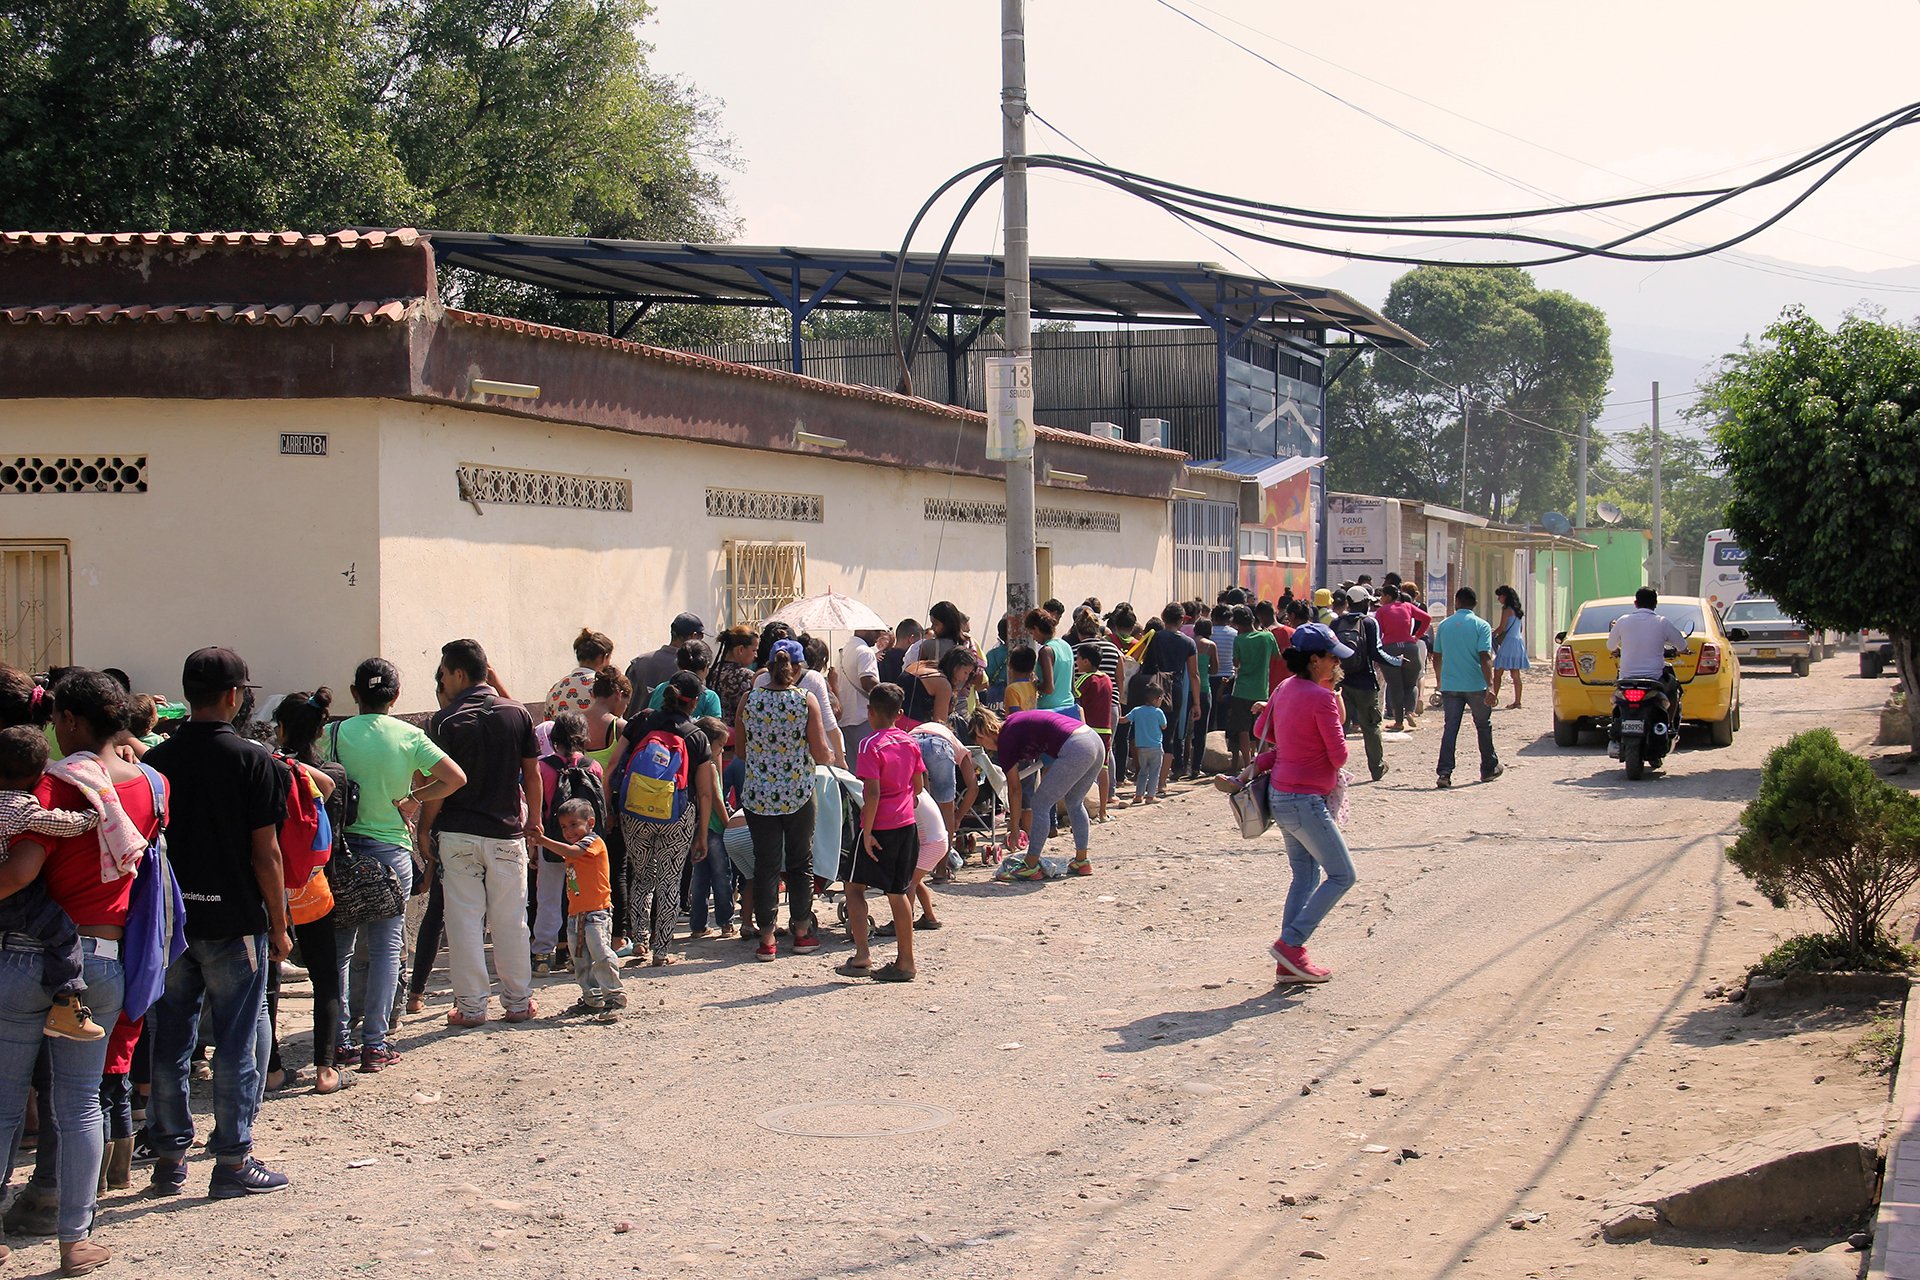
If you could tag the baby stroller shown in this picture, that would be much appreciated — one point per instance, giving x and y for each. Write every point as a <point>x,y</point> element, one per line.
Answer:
<point>982,828</point>
<point>836,828</point>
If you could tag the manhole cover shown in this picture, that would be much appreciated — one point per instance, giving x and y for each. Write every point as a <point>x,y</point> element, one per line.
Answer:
<point>855,1119</point>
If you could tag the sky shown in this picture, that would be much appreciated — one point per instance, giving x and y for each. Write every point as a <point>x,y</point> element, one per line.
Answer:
<point>847,113</point>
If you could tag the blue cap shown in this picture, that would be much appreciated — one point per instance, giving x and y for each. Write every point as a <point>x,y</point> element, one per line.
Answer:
<point>789,649</point>
<point>1317,637</point>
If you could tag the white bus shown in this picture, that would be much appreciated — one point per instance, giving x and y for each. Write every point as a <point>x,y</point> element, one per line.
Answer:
<point>1723,574</point>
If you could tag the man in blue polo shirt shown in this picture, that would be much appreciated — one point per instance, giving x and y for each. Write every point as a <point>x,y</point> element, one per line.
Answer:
<point>1463,664</point>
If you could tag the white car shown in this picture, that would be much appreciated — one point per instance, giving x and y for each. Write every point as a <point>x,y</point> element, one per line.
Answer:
<point>1761,634</point>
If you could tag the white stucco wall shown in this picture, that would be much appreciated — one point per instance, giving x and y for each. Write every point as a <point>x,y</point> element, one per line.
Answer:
<point>523,580</point>
<point>232,544</point>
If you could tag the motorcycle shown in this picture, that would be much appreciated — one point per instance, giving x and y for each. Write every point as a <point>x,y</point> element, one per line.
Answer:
<point>1646,721</point>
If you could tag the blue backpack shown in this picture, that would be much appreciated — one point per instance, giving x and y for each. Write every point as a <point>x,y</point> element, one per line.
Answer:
<point>156,916</point>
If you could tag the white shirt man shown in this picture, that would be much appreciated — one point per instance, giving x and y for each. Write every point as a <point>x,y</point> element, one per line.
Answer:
<point>854,677</point>
<point>1641,639</point>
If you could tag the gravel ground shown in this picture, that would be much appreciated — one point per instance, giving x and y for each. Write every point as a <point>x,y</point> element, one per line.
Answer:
<point>1104,1077</point>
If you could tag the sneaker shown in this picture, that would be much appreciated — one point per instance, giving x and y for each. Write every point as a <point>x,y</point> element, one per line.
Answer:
<point>542,965</point>
<point>1380,773</point>
<point>1493,773</point>
<point>766,951</point>
<point>1080,867</point>
<point>248,1178</point>
<point>348,1056</point>
<point>372,1060</point>
<point>1444,781</point>
<point>806,944</point>
<point>617,1000</point>
<point>458,1019</point>
<point>169,1178</point>
<point>521,1015</point>
<point>1028,871</point>
<point>143,1145</point>
<point>1294,965</point>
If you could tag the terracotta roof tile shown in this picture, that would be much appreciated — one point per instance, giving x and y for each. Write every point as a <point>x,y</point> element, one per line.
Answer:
<point>687,359</point>
<point>349,239</point>
<point>284,315</point>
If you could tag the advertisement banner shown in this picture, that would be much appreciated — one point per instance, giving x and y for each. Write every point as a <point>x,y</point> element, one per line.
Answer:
<point>1356,538</point>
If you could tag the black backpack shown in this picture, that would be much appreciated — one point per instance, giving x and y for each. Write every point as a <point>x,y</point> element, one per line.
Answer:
<point>1348,629</point>
<point>572,782</point>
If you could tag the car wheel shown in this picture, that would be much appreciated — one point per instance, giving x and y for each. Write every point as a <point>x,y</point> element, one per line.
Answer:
<point>1566,733</point>
<point>1723,730</point>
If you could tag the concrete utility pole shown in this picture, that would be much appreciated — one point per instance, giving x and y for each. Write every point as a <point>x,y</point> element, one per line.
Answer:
<point>1022,569</point>
<point>1466,412</point>
<point>1581,519</point>
<point>1659,582</point>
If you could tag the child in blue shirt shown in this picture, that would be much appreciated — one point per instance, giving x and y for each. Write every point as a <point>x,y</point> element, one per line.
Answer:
<point>1149,723</point>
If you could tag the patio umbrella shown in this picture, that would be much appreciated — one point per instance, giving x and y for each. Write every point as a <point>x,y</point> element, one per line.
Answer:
<point>829,612</point>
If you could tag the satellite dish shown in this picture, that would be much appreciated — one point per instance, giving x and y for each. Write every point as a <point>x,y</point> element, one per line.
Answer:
<point>1608,512</point>
<point>1556,524</point>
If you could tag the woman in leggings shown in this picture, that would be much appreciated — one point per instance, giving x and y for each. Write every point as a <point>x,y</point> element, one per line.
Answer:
<point>1076,755</point>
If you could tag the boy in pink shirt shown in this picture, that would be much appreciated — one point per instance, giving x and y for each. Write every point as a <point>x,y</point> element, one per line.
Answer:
<point>892,773</point>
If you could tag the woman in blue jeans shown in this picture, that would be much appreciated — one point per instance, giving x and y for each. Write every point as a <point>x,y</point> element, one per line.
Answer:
<point>88,710</point>
<point>1303,722</point>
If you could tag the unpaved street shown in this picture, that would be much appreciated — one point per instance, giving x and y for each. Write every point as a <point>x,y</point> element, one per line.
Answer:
<point>1522,969</point>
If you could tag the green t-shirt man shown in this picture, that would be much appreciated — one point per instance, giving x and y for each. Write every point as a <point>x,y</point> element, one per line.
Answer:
<point>381,753</point>
<point>1253,655</point>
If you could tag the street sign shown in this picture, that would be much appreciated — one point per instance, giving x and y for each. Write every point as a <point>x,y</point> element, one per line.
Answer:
<point>1009,408</point>
<point>303,444</point>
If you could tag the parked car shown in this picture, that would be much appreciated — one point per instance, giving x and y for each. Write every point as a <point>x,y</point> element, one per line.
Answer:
<point>1763,635</point>
<point>1876,654</point>
<point>1584,672</point>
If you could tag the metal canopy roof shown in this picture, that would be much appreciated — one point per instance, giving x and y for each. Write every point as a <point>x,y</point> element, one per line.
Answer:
<point>804,280</point>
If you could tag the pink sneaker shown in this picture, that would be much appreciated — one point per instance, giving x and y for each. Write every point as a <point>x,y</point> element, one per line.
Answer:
<point>1294,966</point>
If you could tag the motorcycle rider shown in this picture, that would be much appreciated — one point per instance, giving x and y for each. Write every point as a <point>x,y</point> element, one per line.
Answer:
<point>1640,639</point>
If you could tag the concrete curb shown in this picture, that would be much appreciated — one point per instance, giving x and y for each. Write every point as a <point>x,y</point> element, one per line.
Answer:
<point>1896,1228</point>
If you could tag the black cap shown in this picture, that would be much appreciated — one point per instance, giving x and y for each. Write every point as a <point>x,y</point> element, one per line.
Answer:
<point>689,624</point>
<point>213,671</point>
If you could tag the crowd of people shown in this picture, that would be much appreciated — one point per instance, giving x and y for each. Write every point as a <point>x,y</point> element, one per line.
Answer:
<point>153,885</point>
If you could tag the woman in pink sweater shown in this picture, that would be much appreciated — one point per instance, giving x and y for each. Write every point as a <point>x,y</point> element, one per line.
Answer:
<point>1303,765</point>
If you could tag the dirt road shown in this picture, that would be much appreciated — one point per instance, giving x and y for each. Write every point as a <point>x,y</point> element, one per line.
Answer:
<point>1107,1080</point>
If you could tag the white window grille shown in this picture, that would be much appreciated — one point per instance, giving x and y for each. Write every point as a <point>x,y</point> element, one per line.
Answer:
<point>756,504</point>
<point>36,614</point>
<point>96,473</point>
<point>972,511</point>
<point>761,578</point>
<point>513,487</point>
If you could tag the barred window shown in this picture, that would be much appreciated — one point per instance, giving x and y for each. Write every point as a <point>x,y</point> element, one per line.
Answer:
<point>971,511</point>
<point>96,473</point>
<point>35,608</point>
<point>758,504</point>
<point>543,489</point>
<point>761,578</point>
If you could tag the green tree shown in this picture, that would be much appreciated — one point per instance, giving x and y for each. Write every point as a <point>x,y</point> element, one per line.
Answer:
<point>1695,489</point>
<point>1524,355</point>
<point>505,115</point>
<point>1819,430</point>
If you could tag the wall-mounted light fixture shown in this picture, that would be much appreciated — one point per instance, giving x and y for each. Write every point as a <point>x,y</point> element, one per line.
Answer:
<point>1057,476</point>
<point>480,388</point>
<point>803,436</point>
<point>1186,493</point>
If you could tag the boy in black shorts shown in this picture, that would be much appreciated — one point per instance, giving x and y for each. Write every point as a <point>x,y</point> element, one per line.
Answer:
<point>892,773</point>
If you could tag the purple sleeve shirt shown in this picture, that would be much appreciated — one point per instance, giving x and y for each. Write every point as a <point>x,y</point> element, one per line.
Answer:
<point>1028,735</point>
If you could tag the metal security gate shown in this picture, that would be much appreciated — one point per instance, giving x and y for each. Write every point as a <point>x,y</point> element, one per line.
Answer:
<point>35,607</point>
<point>1206,548</point>
<point>761,578</point>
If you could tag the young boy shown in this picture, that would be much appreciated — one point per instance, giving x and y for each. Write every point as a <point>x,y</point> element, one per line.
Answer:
<point>1149,723</point>
<point>892,774</point>
<point>590,908</point>
<point>30,911</point>
<point>1022,693</point>
<point>1094,691</point>
<point>713,870</point>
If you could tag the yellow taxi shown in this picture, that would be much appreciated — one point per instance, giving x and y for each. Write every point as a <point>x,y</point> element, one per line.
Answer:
<point>1584,672</point>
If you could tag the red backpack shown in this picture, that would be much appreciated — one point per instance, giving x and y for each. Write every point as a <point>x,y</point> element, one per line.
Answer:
<point>306,834</point>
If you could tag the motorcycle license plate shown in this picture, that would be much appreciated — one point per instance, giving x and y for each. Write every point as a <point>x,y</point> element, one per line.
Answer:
<point>1769,653</point>
<point>1633,726</point>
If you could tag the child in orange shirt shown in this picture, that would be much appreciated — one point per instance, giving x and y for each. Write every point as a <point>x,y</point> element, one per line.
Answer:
<point>589,910</point>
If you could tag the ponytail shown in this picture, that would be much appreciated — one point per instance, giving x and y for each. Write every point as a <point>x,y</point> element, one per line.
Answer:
<point>682,693</point>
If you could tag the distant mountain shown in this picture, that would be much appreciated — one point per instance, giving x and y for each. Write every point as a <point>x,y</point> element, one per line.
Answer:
<point>1671,321</point>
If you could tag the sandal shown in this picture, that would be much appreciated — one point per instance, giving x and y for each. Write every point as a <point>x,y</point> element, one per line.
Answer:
<point>339,1080</point>
<point>662,960</point>
<point>848,969</point>
<point>415,1002</point>
<point>891,972</point>
<point>924,923</point>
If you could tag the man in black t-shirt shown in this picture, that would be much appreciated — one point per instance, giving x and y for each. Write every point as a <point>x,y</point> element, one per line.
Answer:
<point>480,834</point>
<point>228,798</point>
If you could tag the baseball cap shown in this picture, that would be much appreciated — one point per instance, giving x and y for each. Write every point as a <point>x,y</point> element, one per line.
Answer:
<point>689,624</point>
<point>1317,637</point>
<point>1323,598</point>
<point>1358,594</point>
<point>790,650</point>
<point>212,670</point>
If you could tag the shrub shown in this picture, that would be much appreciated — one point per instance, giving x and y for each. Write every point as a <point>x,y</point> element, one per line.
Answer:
<point>1831,953</point>
<point>1825,830</point>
